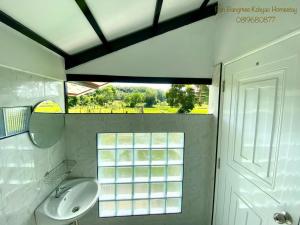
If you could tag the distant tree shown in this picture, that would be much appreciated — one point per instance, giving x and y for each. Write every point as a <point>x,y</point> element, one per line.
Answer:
<point>72,101</point>
<point>173,95</point>
<point>133,99</point>
<point>84,100</point>
<point>150,98</point>
<point>161,95</point>
<point>99,100</point>
<point>105,95</point>
<point>109,92</point>
<point>182,96</point>
<point>202,94</point>
<point>127,99</point>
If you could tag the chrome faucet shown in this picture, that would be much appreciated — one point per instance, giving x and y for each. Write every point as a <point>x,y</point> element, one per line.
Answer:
<point>61,190</point>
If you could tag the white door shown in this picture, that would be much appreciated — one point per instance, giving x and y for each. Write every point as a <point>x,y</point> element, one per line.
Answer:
<point>259,144</point>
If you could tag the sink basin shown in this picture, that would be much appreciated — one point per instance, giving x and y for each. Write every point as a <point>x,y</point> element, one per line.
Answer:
<point>79,196</point>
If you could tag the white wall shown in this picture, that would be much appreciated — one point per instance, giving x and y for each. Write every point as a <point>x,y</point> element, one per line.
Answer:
<point>19,52</point>
<point>185,52</point>
<point>199,154</point>
<point>234,39</point>
<point>23,68</point>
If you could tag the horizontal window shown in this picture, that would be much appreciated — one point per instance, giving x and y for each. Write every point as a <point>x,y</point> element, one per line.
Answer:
<point>111,97</point>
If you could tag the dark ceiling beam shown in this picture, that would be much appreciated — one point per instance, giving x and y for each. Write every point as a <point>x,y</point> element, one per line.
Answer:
<point>89,16</point>
<point>142,35</point>
<point>11,22</point>
<point>204,4</point>
<point>134,79</point>
<point>157,14</point>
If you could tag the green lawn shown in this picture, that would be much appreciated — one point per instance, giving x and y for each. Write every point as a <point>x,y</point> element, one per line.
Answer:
<point>155,109</point>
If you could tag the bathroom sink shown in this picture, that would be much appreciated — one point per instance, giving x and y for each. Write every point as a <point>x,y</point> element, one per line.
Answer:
<point>70,201</point>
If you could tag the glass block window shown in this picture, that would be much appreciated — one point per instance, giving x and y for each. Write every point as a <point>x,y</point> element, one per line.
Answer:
<point>140,173</point>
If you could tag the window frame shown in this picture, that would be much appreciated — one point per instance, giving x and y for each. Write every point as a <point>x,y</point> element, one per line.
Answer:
<point>130,79</point>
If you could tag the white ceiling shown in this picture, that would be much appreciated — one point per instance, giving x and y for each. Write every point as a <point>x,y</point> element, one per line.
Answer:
<point>59,21</point>
<point>173,8</point>
<point>120,17</point>
<point>62,23</point>
<point>184,52</point>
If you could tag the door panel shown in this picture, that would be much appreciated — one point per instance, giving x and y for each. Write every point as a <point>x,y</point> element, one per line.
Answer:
<point>247,204</point>
<point>257,107</point>
<point>259,144</point>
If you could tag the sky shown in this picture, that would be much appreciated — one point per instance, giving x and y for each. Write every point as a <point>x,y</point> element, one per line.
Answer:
<point>163,87</point>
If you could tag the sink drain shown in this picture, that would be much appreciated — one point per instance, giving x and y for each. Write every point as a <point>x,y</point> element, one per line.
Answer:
<point>75,209</point>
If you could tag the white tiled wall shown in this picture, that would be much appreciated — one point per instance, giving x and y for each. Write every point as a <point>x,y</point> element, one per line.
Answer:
<point>22,164</point>
<point>81,131</point>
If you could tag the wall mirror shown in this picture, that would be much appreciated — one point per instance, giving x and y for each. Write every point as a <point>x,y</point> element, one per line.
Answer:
<point>46,124</point>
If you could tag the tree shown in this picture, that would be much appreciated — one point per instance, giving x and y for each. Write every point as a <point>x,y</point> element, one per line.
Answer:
<point>84,100</point>
<point>161,95</point>
<point>202,94</point>
<point>150,98</point>
<point>109,92</point>
<point>133,99</point>
<point>105,95</point>
<point>182,96</point>
<point>99,100</point>
<point>72,101</point>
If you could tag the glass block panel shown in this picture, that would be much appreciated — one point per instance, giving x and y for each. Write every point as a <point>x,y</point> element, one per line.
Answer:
<point>159,140</point>
<point>106,141</point>
<point>141,190</point>
<point>124,191</point>
<point>158,190</point>
<point>107,192</point>
<point>175,140</point>
<point>175,156</point>
<point>124,174</point>
<point>124,157</point>
<point>141,173</point>
<point>158,157</point>
<point>142,140</point>
<point>173,205</point>
<point>107,208</point>
<point>174,189</point>
<point>158,173</point>
<point>141,207</point>
<point>106,157</point>
<point>124,208</point>
<point>157,206</point>
<point>175,172</point>
<point>142,157</point>
<point>125,140</point>
<point>106,174</point>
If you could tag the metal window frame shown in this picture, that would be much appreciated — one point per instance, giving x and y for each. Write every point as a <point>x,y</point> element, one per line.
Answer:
<point>138,79</point>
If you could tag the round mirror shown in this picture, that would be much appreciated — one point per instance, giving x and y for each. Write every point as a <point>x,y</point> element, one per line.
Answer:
<point>46,124</point>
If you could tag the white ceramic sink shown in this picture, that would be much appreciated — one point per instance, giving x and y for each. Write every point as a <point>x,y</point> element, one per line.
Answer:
<point>76,197</point>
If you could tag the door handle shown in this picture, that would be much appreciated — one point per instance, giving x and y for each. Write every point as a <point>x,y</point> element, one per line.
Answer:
<point>283,218</point>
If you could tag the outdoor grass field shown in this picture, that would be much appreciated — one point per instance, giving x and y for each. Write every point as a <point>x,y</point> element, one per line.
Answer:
<point>128,98</point>
<point>156,109</point>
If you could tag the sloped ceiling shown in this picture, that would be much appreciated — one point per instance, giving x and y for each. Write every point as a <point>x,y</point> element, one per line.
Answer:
<point>185,52</point>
